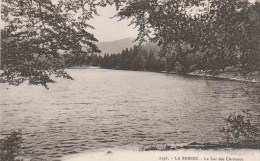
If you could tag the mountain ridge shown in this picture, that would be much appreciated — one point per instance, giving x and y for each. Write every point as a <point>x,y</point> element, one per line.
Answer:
<point>116,46</point>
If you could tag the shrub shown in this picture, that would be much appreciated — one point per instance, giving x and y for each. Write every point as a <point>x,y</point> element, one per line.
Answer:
<point>10,147</point>
<point>239,131</point>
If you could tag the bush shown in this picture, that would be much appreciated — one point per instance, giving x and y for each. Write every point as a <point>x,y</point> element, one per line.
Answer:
<point>10,147</point>
<point>240,132</point>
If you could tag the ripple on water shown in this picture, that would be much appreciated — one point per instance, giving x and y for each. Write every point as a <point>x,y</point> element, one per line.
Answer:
<point>105,108</point>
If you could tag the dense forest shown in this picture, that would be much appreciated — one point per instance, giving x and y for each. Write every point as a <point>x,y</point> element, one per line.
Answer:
<point>39,36</point>
<point>135,58</point>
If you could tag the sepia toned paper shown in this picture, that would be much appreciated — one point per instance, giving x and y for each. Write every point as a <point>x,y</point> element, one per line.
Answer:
<point>128,111</point>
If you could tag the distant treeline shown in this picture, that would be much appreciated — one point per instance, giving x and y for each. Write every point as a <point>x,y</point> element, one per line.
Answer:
<point>135,58</point>
<point>143,58</point>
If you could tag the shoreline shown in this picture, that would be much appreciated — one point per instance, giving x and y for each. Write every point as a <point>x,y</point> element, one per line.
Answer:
<point>253,77</point>
<point>84,67</point>
<point>163,152</point>
<point>178,155</point>
<point>229,75</point>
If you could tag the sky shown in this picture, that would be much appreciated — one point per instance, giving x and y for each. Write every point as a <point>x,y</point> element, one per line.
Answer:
<point>107,29</point>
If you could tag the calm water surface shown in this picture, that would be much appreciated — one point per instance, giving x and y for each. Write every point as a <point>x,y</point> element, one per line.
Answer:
<point>121,109</point>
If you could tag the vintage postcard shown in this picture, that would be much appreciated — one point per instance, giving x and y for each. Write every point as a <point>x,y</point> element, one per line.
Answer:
<point>130,80</point>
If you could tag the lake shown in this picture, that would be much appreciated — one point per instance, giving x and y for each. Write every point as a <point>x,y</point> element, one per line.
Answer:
<point>121,109</point>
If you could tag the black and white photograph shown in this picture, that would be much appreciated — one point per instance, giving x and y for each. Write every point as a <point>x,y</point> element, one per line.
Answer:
<point>130,80</point>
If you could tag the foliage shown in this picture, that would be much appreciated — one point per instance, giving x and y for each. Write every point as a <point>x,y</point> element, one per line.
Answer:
<point>227,31</point>
<point>38,32</point>
<point>10,147</point>
<point>166,22</point>
<point>239,130</point>
<point>222,30</point>
<point>250,39</point>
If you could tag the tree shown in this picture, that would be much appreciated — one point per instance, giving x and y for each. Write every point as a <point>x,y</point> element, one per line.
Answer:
<point>10,147</point>
<point>240,131</point>
<point>39,32</point>
<point>222,22</point>
<point>221,29</point>
<point>166,22</point>
<point>250,39</point>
